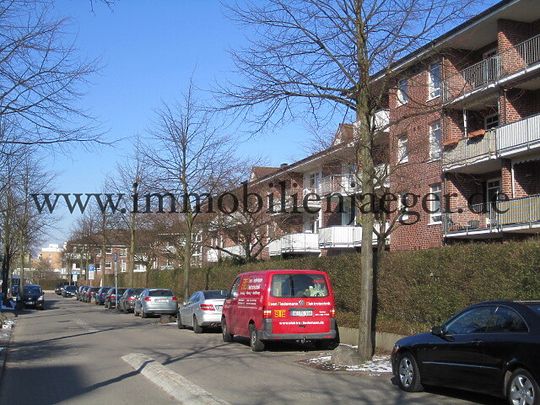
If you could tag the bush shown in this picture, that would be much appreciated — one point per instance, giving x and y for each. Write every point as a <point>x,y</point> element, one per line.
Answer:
<point>414,289</point>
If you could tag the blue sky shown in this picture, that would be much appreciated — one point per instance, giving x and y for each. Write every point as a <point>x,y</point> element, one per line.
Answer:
<point>149,50</point>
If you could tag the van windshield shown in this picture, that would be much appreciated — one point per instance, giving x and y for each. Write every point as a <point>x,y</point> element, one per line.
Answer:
<point>298,285</point>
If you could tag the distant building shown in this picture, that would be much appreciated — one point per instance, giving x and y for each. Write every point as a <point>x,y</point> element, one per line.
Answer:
<point>52,254</point>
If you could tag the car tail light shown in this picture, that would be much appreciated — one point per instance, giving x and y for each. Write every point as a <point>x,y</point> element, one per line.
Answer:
<point>267,313</point>
<point>174,298</point>
<point>333,312</point>
<point>206,307</point>
<point>148,299</point>
<point>131,298</point>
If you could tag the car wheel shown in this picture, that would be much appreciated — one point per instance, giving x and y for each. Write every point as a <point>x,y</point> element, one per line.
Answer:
<point>179,322</point>
<point>227,337</point>
<point>523,389</point>
<point>254,342</point>
<point>143,314</point>
<point>196,327</point>
<point>107,305</point>
<point>408,373</point>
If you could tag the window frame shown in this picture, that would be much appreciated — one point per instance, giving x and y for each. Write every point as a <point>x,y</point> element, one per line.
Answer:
<point>432,214</point>
<point>402,93</point>
<point>403,149</point>
<point>432,157</point>
<point>511,310</point>
<point>466,311</point>
<point>431,83</point>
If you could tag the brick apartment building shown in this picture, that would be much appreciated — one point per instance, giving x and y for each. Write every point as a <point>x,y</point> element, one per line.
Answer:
<point>471,143</point>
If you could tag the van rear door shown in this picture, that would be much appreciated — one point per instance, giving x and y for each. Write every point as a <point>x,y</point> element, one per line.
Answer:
<point>300,303</point>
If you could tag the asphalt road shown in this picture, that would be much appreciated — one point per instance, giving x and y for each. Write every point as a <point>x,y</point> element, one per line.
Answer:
<point>71,353</point>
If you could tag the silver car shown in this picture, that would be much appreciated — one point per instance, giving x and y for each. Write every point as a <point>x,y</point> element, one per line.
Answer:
<point>202,310</point>
<point>155,301</point>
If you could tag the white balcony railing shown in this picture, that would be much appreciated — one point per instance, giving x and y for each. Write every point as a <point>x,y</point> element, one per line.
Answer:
<point>473,77</point>
<point>348,183</point>
<point>213,255</point>
<point>470,151</point>
<point>342,237</point>
<point>295,243</point>
<point>523,134</point>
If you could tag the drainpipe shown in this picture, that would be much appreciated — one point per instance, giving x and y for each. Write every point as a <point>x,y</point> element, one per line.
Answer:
<point>513,177</point>
<point>465,129</point>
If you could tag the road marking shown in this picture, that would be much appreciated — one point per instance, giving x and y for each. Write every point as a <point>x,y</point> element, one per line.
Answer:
<point>183,390</point>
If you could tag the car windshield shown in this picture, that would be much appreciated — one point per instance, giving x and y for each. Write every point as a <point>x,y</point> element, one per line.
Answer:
<point>32,289</point>
<point>299,285</point>
<point>215,294</point>
<point>136,291</point>
<point>160,293</point>
<point>70,288</point>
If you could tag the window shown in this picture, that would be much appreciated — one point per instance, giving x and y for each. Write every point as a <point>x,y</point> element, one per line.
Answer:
<point>435,136</point>
<point>108,250</point>
<point>108,265</point>
<point>475,320</point>
<point>507,320</point>
<point>491,121</point>
<point>298,285</point>
<point>403,207</point>
<point>435,80</point>
<point>435,215</point>
<point>403,149</point>
<point>235,287</point>
<point>403,91</point>
<point>123,266</point>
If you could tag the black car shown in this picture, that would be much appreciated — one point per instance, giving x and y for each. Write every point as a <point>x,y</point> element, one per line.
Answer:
<point>69,291</point>
<point>110,298</point>
<point>491,347</point>
<point>33,296</point>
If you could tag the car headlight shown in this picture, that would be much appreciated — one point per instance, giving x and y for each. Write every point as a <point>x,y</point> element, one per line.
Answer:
<point>40,298</point>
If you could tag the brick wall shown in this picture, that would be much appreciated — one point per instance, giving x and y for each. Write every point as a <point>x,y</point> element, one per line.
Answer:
<point>526,177</point>
<point>509,34</point>
<point>517,104</point>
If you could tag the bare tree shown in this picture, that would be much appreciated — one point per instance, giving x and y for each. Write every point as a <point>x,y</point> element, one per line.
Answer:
<point>41,78</point>
<point>334,58</point>
<point>191,161</point>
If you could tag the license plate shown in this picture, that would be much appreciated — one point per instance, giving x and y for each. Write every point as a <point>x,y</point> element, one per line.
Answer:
<point>161,300</point>
<point>301,312</point>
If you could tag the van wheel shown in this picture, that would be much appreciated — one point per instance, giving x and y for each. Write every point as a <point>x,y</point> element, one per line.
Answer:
<point>196,327</point>
<point>522,389</point>
<point>227,337</point>
<point>254,342</point>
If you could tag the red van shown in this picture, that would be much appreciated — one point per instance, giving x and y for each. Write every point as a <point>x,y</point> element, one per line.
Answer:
<point>279,305</point>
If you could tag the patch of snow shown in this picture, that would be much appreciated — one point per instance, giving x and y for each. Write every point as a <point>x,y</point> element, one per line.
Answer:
<point>377,366</point>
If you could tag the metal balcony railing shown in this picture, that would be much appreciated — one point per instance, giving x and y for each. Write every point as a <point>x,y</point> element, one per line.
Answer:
<point>295,243</point>
<point>494,216</point>
<point>471,150</point>
<point>523,134</point>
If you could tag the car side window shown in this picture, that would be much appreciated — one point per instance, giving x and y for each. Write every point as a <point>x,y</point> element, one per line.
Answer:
<point>475,320</point>
<point>234,288</point>
<point>507,320</point>
<point>193,298</point>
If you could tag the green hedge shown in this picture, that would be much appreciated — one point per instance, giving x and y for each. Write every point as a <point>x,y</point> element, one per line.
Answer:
<point>415,289</point>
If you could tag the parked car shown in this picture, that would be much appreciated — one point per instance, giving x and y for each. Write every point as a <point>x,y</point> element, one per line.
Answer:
<point>99,297</point>
<point>69,291</point>
<point>58,289</point>
<point>81,291</point>
<point>89,294</point>
<point>491,347</point>
<point>33,296</point>
<point>126,302</point>
<point>278,305</point>
<point>110,298</point>
<point>155,301</point>
<point>202,310</point>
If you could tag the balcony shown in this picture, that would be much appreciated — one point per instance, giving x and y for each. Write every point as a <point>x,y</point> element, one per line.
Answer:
<point>493,70</point>
<point>470,151</point>
<point>504,141</point>
<point>342,237</point>
<point>214,255</point>
<point>520,215</point>
<point>290,205</point>
<point>519,136</point>
<point>381,120</point>
<point>346,183</point>
<point>295,243</point>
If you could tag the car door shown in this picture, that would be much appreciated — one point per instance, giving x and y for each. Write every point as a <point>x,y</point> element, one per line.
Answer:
<point>231,306</point>
<point>505,340</point>
<point>456,358</point>
<point>187,318</point>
